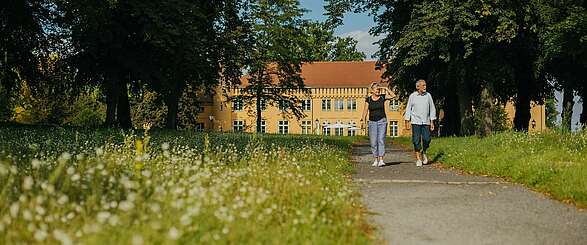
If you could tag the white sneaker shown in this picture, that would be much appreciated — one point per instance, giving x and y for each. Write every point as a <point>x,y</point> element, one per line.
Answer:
<point>419,163</point>
<point>375,163</point>
<point>381,163</point>
<point>425,159</point>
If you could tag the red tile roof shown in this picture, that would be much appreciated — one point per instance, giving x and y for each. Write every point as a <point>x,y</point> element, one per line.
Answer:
<point>340,74</point>
<point>345,74</point>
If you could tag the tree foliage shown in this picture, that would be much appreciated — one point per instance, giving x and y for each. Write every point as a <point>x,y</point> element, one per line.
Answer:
<point>468,48</point>
<point>275,57</point>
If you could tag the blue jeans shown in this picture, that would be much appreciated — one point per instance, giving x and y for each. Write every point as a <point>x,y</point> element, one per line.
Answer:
<point>377,133</point>
<point>421,133</point>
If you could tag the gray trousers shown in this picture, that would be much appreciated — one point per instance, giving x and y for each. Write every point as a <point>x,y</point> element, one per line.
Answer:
<point>377,133</point>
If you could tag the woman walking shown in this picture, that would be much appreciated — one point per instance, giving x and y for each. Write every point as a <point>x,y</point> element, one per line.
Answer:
<point>375,107</point>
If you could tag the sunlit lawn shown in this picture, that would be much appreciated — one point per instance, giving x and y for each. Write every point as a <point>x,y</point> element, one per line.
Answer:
<point>114,187</point>
<point>552,162</point>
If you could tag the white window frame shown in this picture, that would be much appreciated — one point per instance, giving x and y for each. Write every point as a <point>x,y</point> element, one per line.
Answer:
<point>237,105</point>
<point>394,105</point>
<point>352,104</point>
<point>338,104</point>
<point>352,132</point>
<point>306,127</point>
<point>283,127</point>
<point>325,131</point>
<point>306,105</point>
<point>326,104</point>
<point>263,126</point>
<point>238,125</point>
<point>394,128</point>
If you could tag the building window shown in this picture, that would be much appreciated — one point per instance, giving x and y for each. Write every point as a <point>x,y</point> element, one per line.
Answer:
<point>283,105</point>
<point>237,105</point>
<point>238,126</point>
<point>338,104</point>
<point>338,132</point>
<point>352,131</point>
<point>393,129</point>
<point>351,105</point>
<point>263,127</point>
<point>325,130</point>
<point>306,105</point>
<point>263,105</point>
<point>394,105</point>
<point>326,105</point>
<point>306,127</point>
<point>199,127</point>
<point>283,127</point>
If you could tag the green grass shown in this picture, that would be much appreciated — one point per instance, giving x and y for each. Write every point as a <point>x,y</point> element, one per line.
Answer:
<point>166,187</point>
<point>552,162</point>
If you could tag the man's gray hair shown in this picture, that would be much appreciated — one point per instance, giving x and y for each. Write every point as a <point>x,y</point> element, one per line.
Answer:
<point>419,81</point>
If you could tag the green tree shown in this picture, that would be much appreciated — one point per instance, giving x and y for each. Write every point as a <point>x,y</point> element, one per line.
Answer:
<point>22,39</point>
<point>345,49</point>
<point>276,55</point>
<point>564,51</point>
<point>185,50</point>
<point>465,49</point>
<point>108,50</point>
<point>551,112</point>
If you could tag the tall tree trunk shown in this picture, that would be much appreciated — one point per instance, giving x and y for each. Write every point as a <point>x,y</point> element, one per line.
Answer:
<point>123,107</point>
<point>568,103</point>
<point>452,122</point>
<point>522,116</point>
<point>465,106</point>
<point>486,110</point>
<point>112,92</point>
<point>259,109</point>
<point>172,102</point>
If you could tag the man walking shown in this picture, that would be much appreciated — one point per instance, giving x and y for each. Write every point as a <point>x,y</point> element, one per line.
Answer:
<point>420,114</point>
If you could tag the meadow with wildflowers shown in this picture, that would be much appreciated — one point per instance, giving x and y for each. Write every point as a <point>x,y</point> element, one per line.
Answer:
<point>553,162</point>
<point>83,186</point>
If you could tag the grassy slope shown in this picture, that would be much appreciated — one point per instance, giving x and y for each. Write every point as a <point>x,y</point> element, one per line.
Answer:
<point>552,162</point>
<point>233,189</point>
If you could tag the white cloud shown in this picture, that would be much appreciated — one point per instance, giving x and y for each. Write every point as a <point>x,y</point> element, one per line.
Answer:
<point>366,42</point>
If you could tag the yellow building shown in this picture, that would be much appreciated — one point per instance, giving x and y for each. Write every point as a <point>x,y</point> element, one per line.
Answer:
<point>337,96</point>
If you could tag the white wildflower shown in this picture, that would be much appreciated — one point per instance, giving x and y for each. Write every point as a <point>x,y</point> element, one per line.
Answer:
<point>173,233</point>
<point>75,177</point>
<point>35,163</point>
<point>65,156</point>
<point>14,210</point>
<point>28,183</point>
<point>137,240</point>
<point>146,173</point>
<point>126,206</point>
<point>103,216</point>
<point>62,237</point>
<point>40,235</point>
<point>114,220</point>
<point>99,151</point>
<point>165,146</point>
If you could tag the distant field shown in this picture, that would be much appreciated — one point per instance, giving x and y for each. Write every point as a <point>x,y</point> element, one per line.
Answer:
<point>553,162</point>
<point>114,187</point>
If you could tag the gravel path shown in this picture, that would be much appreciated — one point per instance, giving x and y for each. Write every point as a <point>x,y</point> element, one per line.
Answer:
<point>429,205</point>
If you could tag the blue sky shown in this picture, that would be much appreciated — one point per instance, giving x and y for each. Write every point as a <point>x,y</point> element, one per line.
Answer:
<point>354,25</point>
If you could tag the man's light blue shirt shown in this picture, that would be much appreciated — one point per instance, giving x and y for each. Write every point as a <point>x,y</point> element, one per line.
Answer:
<point>420,109</point>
